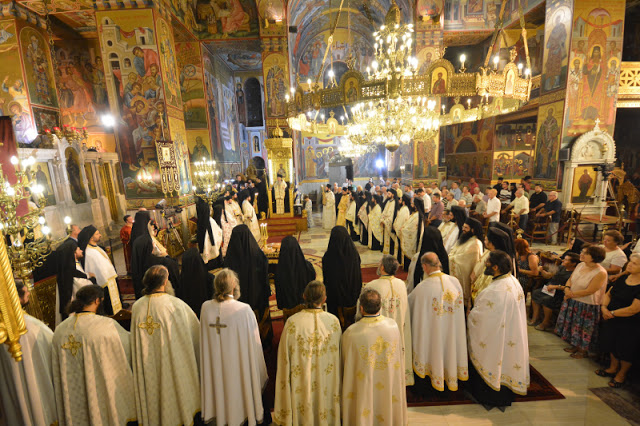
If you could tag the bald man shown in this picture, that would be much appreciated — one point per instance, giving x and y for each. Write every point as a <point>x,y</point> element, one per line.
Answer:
<point>553,208</point>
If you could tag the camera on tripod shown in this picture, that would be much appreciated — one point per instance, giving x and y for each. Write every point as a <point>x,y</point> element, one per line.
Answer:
<point>605,169</point>
<point>168,211</point>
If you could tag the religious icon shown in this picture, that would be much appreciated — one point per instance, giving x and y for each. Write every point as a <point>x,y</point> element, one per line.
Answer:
<point>511,78</point>
<point>78,194</point>
<point>351,91</point>
<point>584,184</point>
<point>439,85</point>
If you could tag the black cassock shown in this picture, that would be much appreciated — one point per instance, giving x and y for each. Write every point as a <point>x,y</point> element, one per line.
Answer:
<point>66,263</point>
<point>293,274</point>
<point>245,258</point>
<point>142,259</point>
<point>197,284</point>
<point>341,271</point>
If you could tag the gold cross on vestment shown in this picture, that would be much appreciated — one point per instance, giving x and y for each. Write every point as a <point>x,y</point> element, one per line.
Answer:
<point>149,325</point>
<point>218,325</point>
<point>72,345</point>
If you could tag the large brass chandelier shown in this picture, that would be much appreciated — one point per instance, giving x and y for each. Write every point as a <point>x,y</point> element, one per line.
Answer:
<point>394,103</point>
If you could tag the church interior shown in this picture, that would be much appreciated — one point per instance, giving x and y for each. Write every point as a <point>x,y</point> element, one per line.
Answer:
<point>486,119</point>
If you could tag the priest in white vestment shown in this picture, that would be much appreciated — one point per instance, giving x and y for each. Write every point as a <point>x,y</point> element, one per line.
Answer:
<point>226,223</point>
<point>329,208</point>
<point>395,305</point>
<point>449,230</point>
<point>235,207</point>
<point>26,387</point>
<point>438,328</point>
<point>363,215</point>
<point>351,216</point>
<point>91,362</point>
<point>465,254</point>
<point>497,334</point>
<point>376,232</point>
<point>230,212</point>
<point>373,380</point>
<point>411,234</point>
<point>249,214</point>
<point>388,216</point>
<point>165,341</point>
<point>308,380</point>
<point>398,223</point>
<point>98,264</point>
<point>233,371</point>
<point>279,194</point>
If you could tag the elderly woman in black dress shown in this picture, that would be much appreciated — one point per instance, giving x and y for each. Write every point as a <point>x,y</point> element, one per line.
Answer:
<point>621,323</point>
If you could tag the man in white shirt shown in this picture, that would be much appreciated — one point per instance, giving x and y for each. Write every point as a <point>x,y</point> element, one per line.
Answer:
<point>493,206</point>
<point>520,206</point>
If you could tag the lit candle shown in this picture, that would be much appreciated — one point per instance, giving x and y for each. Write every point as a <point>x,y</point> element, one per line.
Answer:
<point>463,57</point>
<point>469,103</point>
<point>496,60</point>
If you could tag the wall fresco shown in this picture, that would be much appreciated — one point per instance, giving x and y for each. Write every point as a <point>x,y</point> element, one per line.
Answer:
<point>556,44</point>
<point>128,43</point>
<point>548,140</point>
<point>594,62</point>
<point>218,18</point>
<point>315,154</point>
<point>37,67</point>
<point>276,79</point>
<point>81,83</point>
<point>169,64</point>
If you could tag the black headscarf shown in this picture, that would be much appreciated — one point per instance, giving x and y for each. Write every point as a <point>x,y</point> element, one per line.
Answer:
<point>142,258</point>
<point>83,240</point>
<point>341,270</point>
<point>66,266</point>
<point>203,223</point>
<point>476,228</point>
<point>250,263</point>
<point>499,239</point>
<point>140,225</point>
<point>419,207</point>
<point>218,212</point>
<point>196,285</point>
<point>460,216</point>
<point>293,274</point>
<point>431,241</point>
<point>511,249</point>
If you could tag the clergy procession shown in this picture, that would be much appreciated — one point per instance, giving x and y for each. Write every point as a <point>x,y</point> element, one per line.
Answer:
<point>353,353</point>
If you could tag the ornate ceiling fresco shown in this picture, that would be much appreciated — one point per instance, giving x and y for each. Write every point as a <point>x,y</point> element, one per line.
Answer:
<point>236,41</point>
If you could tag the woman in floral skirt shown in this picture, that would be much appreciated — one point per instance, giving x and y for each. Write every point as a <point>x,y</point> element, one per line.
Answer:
<point>580,313</point>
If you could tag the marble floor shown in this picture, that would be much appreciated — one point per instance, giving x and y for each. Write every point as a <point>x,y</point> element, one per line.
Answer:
<point>572,377</point>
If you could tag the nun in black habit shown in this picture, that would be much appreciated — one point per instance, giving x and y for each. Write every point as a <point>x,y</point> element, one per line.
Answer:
<point>196,285</point>
<point>66,273</point>
<point>203,231</point>
<point>431,242</point>
<point>142,258</point>
<point>341,271</point>
<point>245,258</point>
<point>293,274</point>
<point>140,225</point>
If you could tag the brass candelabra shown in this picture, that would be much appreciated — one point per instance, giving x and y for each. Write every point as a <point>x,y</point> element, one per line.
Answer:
<point>206,180</point>
<point>27,236</point>
<point>26,246</point>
